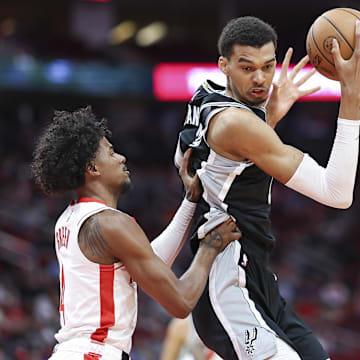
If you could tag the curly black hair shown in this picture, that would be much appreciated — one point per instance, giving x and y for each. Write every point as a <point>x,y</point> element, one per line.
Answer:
<point>66,147</point>
<point>246,30</point>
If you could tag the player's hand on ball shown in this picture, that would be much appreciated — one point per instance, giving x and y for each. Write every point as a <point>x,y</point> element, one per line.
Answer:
<point>348,71</point>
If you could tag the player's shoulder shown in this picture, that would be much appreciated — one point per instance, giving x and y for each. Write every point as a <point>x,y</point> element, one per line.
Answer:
<point>235,116</point>
<point>111,219</point>
<point>234,123</point>
<point>117,228</point>
<point>208,91</point>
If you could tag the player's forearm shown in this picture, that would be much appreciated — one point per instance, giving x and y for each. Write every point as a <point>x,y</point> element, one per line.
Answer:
<point>333,185</point>
<point>193,281</point>
<point>349,105</point>
<point>179,296</point>
<point>169,243</point>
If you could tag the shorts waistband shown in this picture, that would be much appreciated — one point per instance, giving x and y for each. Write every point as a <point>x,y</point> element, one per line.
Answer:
<point>92,348</point>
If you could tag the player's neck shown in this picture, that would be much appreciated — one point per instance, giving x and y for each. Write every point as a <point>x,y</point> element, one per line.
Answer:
<point>232,94</point>
<point>106,196</point>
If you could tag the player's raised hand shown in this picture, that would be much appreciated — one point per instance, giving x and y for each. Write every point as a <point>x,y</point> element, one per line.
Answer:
<point>191,182</point>
<point>222,236</point>
<point>286,91</point>
<point>348,72</point>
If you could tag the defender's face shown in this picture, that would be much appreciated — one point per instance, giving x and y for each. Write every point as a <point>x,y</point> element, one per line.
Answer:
<point>111,167</point>
<point>250,72</point>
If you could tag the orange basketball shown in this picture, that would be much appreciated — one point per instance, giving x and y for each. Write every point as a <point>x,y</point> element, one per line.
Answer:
<point>337,23</point>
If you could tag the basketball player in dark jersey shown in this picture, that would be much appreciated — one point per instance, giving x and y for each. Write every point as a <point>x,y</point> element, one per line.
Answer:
<point>241,314</point>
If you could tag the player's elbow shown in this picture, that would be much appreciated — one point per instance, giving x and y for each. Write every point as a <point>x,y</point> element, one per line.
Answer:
<point>343,203</point>
<point>181,310</point>
<point>180,314</point>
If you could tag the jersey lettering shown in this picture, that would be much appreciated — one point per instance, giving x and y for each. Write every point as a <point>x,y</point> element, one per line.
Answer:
<point>192,116</point>
<point>62,237</point>
<point>199,135</point>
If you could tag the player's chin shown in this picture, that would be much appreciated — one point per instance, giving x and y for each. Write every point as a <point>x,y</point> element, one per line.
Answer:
<point>256,101</point>
<point>125,186</point>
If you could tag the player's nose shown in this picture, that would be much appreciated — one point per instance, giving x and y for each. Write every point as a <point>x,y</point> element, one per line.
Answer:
<point>122,159</point>
<point>258,77</point>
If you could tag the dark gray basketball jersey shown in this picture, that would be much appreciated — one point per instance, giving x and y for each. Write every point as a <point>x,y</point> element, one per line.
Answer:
<point>239,188</point>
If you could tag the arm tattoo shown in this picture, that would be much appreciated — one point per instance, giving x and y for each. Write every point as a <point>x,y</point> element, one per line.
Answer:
<point>214,240</point>
<point>91,238</point>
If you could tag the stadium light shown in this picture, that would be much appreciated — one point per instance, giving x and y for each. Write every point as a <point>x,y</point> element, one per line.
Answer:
<point>122,32</point>
<point>151,33</point>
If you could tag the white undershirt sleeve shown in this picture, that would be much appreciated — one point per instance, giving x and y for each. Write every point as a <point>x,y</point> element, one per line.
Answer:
<point>333,185</point>
<point>169,243</point>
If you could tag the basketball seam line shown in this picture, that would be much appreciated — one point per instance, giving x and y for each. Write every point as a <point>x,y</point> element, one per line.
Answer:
<point>349,12</point>
<point>317,46</point>
<point>340,33</point>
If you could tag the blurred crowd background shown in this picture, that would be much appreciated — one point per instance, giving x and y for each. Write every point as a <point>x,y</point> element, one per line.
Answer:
<point>68,54</point>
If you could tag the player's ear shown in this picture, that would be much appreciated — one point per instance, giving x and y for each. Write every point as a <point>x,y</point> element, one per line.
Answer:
<point>91,168</point>
<point>223,65</point>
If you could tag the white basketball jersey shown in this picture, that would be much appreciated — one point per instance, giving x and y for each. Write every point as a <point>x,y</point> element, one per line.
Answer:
<point>98,302</point>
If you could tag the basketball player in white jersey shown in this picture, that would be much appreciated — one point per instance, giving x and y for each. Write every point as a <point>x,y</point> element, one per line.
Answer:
<point>102,252</point>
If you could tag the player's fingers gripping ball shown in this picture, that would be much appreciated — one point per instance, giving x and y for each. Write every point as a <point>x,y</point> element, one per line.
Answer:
<point>336,24</point>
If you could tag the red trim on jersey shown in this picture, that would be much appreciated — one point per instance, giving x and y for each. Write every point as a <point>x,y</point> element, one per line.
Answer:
<point>92,356</point>
<point>89,199</point>
<point>62,307</point>
<point>107,306</point>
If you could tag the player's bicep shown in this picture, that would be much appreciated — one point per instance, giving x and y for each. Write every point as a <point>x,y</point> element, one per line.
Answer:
<point>268,152</point>
<point>253,139</point>
<point>124,237</point>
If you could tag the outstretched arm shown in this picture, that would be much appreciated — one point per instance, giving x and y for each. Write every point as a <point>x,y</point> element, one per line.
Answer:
<point>126,241</point>
<point>169,243</point>
<point>239,134</point>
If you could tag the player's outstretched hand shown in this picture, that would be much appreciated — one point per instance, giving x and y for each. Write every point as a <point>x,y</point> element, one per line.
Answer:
<point>222,236</point>
<point>286,91</point>
<point>191,182</point>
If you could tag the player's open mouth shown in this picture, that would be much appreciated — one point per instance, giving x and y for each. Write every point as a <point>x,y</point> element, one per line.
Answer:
<point>258,92</point>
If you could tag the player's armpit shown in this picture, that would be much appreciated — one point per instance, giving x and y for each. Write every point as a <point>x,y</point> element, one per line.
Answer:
<point>239,134</point>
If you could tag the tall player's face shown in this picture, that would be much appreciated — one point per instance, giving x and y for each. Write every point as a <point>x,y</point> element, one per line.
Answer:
<point>250,72</point>
<point>111,167</point>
